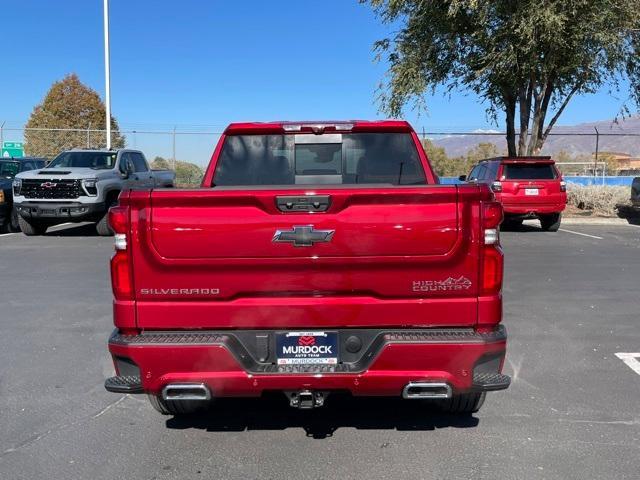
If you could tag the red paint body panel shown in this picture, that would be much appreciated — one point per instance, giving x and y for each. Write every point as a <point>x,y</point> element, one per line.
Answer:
<point>205,260</point>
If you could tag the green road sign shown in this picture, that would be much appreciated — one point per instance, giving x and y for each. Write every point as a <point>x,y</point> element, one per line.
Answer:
<point>12,149</point>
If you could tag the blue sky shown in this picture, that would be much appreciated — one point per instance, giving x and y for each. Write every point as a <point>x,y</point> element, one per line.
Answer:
<point>200,64</point>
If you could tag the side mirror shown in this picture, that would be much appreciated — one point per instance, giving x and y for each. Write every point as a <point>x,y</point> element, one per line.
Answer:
<point>462,178</point>
<point>126,168</point>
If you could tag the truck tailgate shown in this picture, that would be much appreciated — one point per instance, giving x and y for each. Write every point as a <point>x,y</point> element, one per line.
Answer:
<point>396,256</point>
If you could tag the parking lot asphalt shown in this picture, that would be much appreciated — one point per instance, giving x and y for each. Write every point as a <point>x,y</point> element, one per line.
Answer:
<point>572,302</point>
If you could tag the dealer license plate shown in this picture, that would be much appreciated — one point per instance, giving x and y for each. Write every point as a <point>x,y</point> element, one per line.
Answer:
<point>307,348</point>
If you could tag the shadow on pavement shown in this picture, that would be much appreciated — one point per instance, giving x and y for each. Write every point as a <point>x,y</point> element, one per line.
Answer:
<point>272,412</point>
<point>524,227</point>
<point>79,230</point>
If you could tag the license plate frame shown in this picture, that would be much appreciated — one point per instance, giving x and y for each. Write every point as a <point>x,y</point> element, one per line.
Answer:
<point>307,348</point>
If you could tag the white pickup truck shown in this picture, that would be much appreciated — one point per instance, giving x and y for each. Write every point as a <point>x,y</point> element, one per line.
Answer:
<point>81,186</point>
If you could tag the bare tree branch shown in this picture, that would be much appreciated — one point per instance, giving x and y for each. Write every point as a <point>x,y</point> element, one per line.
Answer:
<point>565,102</point>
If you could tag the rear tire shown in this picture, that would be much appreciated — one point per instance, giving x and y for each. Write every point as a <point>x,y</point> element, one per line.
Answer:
<point>102,226</point>
<point>465,403</point>
<point>31,228</point>
<point>551,222</point>
<point>13,226</point>
<point>177,407</point>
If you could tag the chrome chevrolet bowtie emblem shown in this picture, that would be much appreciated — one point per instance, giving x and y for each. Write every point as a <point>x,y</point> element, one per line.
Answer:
<point>303,236</point>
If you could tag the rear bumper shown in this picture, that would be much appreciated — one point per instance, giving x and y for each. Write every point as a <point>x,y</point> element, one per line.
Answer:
<point>533,210</point>
<point>61,211</point>
<point>224,362</point>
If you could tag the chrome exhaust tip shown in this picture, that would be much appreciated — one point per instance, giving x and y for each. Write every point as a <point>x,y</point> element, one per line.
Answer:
<point>186,391</point>
<point>427,390</point>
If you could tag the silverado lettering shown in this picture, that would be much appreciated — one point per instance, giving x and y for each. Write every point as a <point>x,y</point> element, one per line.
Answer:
<point>179,291</point>
<point>346,266</point>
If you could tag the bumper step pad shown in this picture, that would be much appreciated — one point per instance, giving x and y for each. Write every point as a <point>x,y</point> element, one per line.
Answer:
<point>489,382</point>
<point>128,384</point>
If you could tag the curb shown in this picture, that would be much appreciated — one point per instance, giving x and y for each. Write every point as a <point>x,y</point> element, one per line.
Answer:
<point>593,221</point>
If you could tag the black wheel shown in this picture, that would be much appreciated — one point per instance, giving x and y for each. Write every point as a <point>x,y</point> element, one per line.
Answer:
<point>102,227</point>
<point>13,226</point>
<point>177,407</point>
<point>464,403</point>
<point>31,228</point>
<point>551,222</point>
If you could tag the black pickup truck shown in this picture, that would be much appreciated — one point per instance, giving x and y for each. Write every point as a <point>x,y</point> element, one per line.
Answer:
<point>9,168</point>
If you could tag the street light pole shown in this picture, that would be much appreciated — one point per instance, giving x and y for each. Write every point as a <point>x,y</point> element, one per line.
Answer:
<point>107,73</point>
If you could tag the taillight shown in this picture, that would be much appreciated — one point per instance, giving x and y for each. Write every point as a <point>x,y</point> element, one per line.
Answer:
<point>492,214</point>
<point>121,278</point>
<point>496,186</point>
<point>492,257</point>
<point>119,219</point>
<point>563,186</point>
<point>492,266</point>
<point>121,281</point>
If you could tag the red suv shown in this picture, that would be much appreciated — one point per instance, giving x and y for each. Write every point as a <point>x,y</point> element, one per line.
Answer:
<point>527,187</point>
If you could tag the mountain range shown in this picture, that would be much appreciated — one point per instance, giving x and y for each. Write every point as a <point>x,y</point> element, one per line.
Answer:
<point>562,138</point>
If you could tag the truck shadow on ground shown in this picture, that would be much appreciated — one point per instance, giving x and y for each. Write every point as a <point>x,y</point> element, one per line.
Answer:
<point>524,228</point>
<point>274,413</point>
<point>79,230</point>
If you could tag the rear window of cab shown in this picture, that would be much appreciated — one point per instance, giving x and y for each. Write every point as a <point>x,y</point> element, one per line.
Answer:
<point>330,159</point>
<point>528,171</point>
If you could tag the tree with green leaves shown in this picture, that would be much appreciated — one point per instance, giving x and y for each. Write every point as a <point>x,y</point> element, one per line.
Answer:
<point>161,163</point>
<point>69,104</point>
<point>187,174</point>
<point>446,166</point>
<point>526,59</point>
<point>481,151</point>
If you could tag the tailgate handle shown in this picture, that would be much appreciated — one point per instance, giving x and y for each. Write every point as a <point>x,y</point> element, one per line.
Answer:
<point>306,203</point>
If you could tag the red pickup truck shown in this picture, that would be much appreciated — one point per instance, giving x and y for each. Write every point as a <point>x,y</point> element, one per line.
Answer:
<point>316,257</point>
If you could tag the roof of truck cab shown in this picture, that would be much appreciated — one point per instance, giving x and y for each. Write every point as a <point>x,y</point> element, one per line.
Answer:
<point>531,159</point>
<point>23,159</point>
<point>100,150</point>
<point>339,126</point>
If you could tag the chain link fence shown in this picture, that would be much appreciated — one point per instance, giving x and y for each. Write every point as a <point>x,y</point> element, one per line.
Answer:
<point>586,153</point>
<point>171,145</point>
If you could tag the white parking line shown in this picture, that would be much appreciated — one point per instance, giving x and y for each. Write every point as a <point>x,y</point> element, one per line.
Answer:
<point>7,234</point>
<point>631,359</point>
<point>579,233</point>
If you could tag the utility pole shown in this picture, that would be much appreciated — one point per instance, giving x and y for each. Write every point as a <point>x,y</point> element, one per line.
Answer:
<point>174,148</point>
<point>107,73</point>
<point>595,166</point>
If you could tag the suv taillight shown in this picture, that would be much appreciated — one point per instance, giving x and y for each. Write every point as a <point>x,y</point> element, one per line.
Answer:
<point>492,257</point>
<point>121,278</point>
<point>563,186</point>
